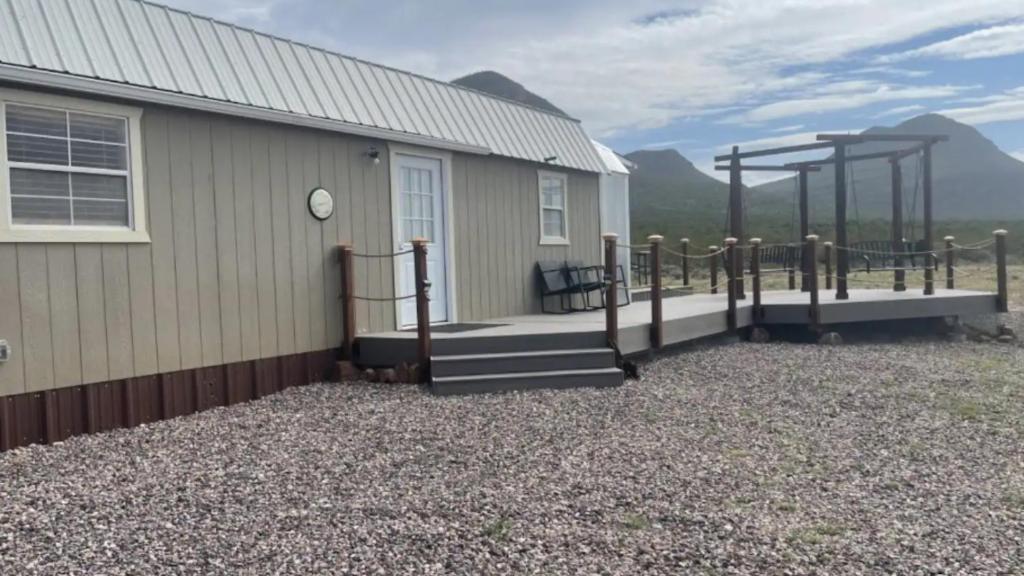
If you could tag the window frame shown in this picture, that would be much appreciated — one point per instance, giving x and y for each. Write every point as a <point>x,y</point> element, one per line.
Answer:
<point>136,231</point>
<point>564,178</point>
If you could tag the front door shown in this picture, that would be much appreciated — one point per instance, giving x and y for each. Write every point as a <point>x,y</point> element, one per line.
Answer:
<point>421,213</point>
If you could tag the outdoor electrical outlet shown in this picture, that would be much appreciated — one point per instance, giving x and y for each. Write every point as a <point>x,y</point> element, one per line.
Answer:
<point>5,351</point>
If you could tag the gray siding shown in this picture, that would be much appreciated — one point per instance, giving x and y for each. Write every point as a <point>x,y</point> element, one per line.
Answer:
<point>238,270</point>
<point>497,233</point>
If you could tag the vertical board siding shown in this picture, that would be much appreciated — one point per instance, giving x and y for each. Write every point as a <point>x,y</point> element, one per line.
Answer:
<point>497,233</point>
<point>12,372</point>
<point>239,270</point>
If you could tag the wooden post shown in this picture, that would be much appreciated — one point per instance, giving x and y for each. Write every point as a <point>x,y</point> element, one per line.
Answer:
<point>791,274</point>
<point>815,312</point>
<point>713,268</point>
<point>805,225</point>
<point>611,303</point>
<point>950,261</point>
<point>348,301</point>
<point>731,264</point>
<point>828,266</point>
<point>684,247</point>
<point>899,283</point>
<point>736,208</point>
<point>419,248</point>
<point>755,276</point>
<point>656,320</point>
<point>929,242</point>
<point>1003,294</point>
<point>842,241</point>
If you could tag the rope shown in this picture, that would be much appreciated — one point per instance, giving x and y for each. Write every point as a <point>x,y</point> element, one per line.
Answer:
<point>633,246</point>
<point>396,254</point>
<point>976,246</point>
<point>884,253</point>
<point>691,256</point>
<point>394,299</point>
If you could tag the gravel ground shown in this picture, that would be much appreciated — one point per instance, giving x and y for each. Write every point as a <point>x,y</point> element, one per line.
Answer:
<point>741,459</point>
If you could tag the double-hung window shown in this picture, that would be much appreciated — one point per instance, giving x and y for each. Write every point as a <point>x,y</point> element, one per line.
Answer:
<point>554,221</point>
<point>70,171</point>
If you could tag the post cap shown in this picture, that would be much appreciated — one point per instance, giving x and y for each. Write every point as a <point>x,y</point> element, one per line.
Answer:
<point>828,244</point>
<point>655,238</point>
<point>730,241</point>
<point>999,232</point>
<point>949,238</point>
<point>755,241</point>
<point>345,245</point>
<point>610,236</point>
<point>420,241</point>
<point>814,238</point>
<point>684,240</point>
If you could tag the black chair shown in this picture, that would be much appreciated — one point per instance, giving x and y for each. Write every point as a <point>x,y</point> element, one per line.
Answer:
<point>588,278</point>
<point>624,295</point>
<point>553,279</point>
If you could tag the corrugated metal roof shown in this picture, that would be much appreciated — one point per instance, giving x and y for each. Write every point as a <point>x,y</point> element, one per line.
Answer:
<point>136,43</point>
<point>612,162</point>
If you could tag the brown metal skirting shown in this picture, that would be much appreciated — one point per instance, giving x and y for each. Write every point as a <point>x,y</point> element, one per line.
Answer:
<point>56,415</point>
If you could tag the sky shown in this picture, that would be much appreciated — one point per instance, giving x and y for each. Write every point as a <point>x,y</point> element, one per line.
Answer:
<point>695,75</point>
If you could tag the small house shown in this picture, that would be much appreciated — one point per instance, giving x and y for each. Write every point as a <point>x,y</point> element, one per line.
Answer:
<point>173,190</point>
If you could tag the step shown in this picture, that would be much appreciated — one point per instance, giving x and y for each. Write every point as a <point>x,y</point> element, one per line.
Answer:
<point>384,351</point>
<point>518,362</point>
<point>556,379</point>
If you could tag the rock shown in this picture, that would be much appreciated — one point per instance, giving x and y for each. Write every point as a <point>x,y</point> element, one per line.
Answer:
<point>388,376</point>
<point>1004,330</point>
<point>830,339</point>
<point>414,374</point>
<point>1006,339</point>
<point>347,371</point>
<point>370,375</point>
<point>759,335</point>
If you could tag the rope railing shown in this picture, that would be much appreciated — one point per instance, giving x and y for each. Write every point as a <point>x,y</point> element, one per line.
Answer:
<point>422,297</point>
<point>385,255</point>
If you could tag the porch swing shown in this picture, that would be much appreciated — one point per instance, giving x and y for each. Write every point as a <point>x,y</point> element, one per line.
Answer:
<point>889,255</point>
<point>787,257</point>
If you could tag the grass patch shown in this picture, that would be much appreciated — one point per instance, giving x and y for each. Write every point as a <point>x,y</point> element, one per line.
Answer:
<point>636,522</point>
<point>1014,500</point>
<point>786,506</point>
<point>816,534</point>
<point>498,529</point>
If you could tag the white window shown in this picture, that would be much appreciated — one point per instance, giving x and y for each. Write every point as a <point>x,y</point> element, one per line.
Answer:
<point>554,221</point>
<point>70,170</point>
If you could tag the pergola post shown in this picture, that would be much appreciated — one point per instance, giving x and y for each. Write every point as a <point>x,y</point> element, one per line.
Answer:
<point>898,246</point>
<point>929,239</point>
<point>805,254</point>
<point>736,208</point>
<point>842,241</point>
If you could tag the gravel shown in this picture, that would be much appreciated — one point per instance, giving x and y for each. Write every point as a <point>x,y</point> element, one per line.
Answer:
<point>739,459</point>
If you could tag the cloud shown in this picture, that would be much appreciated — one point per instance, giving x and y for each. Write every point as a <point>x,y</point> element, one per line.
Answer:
<point>1005,107</point>
<point>620,66</point>
<point>846,96</point>
<point>900,111</point>
<point>792,128</point>
<point>1019,155</point>
<point>986,43</point>
<point>782,140</point>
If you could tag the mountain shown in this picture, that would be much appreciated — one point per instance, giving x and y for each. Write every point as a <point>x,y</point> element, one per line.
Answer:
<point>498,85</point>
<point>669,195</point>
<point>972,179</point>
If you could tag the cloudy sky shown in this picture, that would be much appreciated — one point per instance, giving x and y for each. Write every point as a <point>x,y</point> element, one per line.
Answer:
<point>695,75</point>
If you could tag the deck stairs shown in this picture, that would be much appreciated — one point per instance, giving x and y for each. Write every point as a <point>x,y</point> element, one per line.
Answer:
<point>522,363</point>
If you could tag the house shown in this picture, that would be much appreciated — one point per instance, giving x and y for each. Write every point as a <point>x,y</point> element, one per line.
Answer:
<point>174,190</point>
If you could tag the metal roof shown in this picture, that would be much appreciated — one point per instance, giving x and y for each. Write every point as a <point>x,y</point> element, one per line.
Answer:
<point>136,49</point>
<point>613,163</point>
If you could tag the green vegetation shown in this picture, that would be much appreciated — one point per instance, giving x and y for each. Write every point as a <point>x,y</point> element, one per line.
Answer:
<point>636,522</point>
<point>498,530</point>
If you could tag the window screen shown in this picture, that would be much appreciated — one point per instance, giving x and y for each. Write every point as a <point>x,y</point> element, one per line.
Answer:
<point>67,168</point>
<point>552,199</point>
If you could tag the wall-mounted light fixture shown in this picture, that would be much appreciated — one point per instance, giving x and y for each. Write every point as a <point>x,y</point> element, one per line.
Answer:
<point>373,154</point>
<point>550,159</point>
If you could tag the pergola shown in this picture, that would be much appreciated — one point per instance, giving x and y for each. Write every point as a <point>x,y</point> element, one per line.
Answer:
<point>919,143</point>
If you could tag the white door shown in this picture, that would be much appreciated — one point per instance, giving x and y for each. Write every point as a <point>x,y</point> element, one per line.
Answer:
<point>421,213</point>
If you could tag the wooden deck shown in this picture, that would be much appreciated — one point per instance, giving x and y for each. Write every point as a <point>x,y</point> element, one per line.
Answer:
<point>686,318</point>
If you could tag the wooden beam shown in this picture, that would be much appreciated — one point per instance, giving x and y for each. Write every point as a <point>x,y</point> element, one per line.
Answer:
<point>773,151</point>
<point>764,168</point>
<point>899,276</point>
<point>736,208</point>
<point>842,242</point>
<point>891,155</point>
